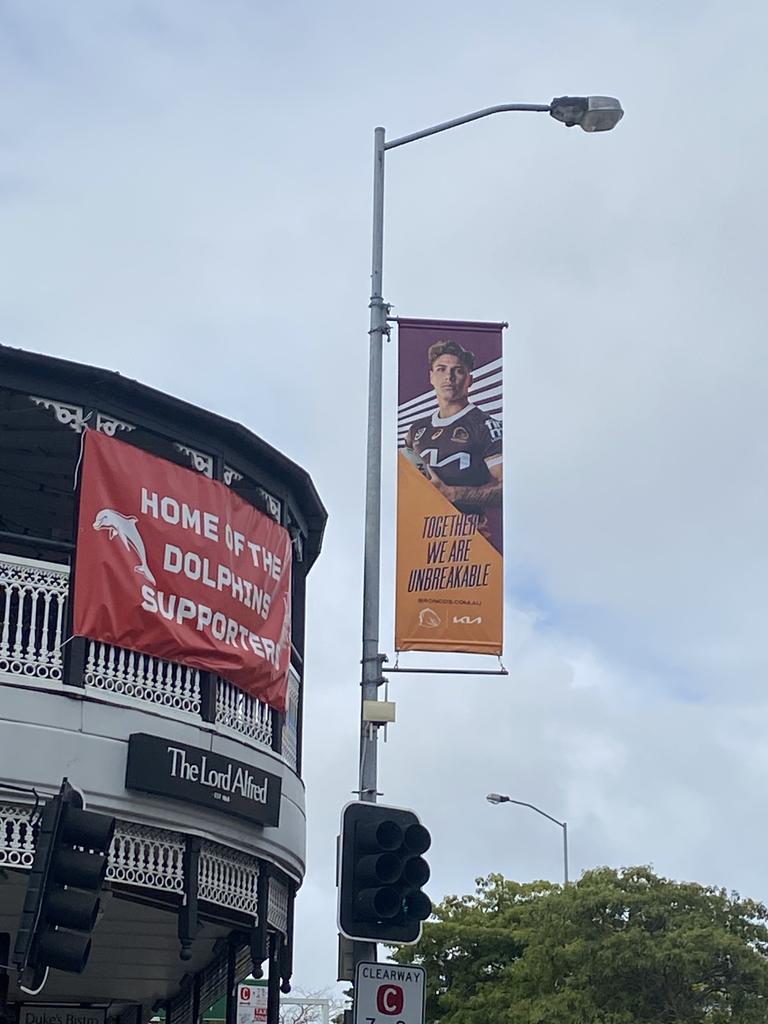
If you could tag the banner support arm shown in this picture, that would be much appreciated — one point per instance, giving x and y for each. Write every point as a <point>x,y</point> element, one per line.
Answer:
<point>451,671</point>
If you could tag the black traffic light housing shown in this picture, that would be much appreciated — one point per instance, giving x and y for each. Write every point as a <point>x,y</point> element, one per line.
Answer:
<point>62,899</point>
<point>381,874</point>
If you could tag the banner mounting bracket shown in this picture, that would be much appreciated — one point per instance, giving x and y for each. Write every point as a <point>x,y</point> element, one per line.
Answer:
<point>451,671</point>
<point>380,659</point>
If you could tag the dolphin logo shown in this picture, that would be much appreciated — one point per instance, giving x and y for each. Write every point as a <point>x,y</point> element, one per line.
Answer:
<point>125,528</point>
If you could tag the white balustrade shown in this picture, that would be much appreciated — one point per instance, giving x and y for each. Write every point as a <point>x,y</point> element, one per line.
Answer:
<point>228,878</point>
<point>33,596</point>
<point>17,839</point>
<point>291,721</point>
<point>278,905</point>
<point>32,599</point>
<point>152,858</point>
<point>238,710</point>
<point>113,670</point>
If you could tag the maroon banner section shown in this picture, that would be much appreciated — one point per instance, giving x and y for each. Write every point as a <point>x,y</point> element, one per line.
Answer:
<point>174,565</point>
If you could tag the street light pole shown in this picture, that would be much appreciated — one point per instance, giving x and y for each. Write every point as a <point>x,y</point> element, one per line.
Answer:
<point>498,798</point>
<point>371,658</point>
<point>565,851</point>
<point>594,113</point>
<point>371,661</point>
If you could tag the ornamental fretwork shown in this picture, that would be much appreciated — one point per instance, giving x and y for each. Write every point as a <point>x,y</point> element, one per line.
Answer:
<point>153,858</point>
<point>76,418</point>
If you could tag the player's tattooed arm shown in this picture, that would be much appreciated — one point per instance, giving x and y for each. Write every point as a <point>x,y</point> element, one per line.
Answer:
<point>485,495</point>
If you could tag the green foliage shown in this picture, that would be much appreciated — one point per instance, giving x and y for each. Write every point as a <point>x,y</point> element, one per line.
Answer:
<point>617,947</point>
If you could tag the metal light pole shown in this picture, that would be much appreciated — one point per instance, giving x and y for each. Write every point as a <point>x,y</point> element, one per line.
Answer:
<point>498,798</point>
<point>593,114</point>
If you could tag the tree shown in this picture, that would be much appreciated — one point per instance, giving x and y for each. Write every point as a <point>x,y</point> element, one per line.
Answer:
<point>299,1014</point>
<point>617,947</point>
<point>310,1012</point>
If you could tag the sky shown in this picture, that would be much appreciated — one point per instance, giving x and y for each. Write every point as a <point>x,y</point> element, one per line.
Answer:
<point>185,197</point>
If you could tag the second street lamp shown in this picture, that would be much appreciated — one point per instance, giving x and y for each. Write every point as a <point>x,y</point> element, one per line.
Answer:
<point>499,798</point>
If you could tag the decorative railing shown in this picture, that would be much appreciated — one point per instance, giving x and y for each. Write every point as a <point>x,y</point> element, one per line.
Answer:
<point>290,739</point>
<point>228,878</point>
<point>33,597</point>
<point>17,838</point>
<point>277,905</point>
<point>127,673</point>
<point>153,858</point>
<point>245,714</point>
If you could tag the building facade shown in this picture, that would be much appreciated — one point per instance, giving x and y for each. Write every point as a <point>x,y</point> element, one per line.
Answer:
<point>198,894</point>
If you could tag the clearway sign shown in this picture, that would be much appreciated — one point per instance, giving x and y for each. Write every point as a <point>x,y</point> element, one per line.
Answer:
<point>389,994</point>
<point>252,1003</point>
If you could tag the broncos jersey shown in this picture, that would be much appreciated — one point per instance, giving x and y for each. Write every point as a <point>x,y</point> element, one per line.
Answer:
<point>459,449</point>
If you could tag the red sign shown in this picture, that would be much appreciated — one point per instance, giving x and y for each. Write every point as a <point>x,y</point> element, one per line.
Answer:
<point>390,1000</point>
<point>175,565</point>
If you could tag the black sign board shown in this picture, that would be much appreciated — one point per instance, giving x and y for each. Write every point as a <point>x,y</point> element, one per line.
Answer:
<point>167,768</point>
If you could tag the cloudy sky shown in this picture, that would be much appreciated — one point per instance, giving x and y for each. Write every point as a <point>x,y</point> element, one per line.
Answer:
<point>185,192</point>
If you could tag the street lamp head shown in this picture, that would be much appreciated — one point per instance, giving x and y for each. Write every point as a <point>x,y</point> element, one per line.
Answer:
<point>497,798</point>
<point>593,113</point>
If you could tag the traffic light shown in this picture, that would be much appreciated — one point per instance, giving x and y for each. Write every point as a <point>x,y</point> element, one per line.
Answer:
<point>381,874</point>
<point>62,899</point>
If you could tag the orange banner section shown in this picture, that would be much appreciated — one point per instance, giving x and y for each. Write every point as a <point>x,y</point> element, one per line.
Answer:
<point>449,585</point>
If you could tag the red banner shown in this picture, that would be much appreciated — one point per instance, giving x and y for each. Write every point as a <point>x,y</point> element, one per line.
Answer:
<point>175,565</point>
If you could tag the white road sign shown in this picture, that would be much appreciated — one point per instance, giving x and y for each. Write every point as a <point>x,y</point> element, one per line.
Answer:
<point>389,994</point>
<point>252,1003</point>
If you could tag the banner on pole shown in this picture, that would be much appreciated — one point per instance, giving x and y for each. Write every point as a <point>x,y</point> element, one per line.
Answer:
<point>174,565</point>
<point>449,578</point>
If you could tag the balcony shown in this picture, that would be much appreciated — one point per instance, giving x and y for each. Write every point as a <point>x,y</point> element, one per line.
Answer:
<point>33,598</point>
<point>152,858</point>
<point>155,861</point>
<point>190,873</point>
<point>137,943</point>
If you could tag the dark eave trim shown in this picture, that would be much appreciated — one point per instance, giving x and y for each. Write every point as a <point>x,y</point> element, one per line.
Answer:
<point>109,391</point>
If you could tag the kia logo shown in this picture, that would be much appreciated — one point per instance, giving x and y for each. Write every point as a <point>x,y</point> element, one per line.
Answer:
<point>389,1000</point>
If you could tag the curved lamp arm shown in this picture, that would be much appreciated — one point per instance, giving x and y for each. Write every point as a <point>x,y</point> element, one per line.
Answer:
<point>500,798</point>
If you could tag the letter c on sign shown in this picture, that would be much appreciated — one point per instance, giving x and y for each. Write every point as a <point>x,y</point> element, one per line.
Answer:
<point>389,1000</point>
